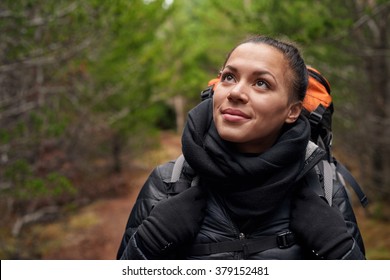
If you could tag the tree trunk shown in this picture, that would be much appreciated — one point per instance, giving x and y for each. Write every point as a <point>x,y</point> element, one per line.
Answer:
<point>179,105</point>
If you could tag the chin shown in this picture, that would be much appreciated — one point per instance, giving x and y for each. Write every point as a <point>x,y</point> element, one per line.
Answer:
<point>231,136</point>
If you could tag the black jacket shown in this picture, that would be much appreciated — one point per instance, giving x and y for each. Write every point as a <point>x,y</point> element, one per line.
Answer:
<point>265,239</point>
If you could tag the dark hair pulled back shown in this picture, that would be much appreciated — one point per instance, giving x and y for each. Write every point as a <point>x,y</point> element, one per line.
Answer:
<point>293,57</point>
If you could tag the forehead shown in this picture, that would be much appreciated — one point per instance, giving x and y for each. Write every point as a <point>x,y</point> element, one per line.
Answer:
<point>258,55</point>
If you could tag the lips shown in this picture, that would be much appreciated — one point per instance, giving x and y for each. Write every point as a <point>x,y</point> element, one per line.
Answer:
<point>234,115</point>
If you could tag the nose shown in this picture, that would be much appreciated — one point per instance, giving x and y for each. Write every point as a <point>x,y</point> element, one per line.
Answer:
<point>238,93</point>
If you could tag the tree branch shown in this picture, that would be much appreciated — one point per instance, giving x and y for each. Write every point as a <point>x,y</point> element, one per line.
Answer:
<point>37,216</point>
<point>40,20</point>
<point>49,59</point>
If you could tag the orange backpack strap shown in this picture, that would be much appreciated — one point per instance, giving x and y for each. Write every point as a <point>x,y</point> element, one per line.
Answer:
<point>318,99</point>
<point>318,91</point>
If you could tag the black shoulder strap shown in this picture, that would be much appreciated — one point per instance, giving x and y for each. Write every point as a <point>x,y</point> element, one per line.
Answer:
<point>352,182</point>
<point>313,181</point>
<point>330,172</point>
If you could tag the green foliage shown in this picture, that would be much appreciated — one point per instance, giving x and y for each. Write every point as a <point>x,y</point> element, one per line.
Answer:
<point>27,186</point>
<point>121,67</point>
<point>4,136</point>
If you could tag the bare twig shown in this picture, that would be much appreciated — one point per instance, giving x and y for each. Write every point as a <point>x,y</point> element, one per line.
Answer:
<point>37,216</point>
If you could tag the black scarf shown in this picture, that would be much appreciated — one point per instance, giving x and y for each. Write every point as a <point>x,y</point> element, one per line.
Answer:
<point>251,185</point>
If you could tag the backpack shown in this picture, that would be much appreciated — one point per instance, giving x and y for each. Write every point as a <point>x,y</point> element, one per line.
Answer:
<point>318,108</point>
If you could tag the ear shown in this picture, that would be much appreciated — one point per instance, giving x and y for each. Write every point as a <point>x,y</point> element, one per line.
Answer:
<point>294,112</point>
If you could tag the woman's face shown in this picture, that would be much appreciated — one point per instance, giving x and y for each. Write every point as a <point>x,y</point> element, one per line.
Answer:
<point>253,99</point>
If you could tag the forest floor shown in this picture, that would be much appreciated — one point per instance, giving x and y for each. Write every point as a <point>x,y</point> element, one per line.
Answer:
<point>94,232</point>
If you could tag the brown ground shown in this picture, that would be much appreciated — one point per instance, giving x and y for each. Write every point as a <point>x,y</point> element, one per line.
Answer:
<point>95,231</point>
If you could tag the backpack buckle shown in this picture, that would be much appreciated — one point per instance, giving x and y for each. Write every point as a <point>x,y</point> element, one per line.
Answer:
<point>315,118</point>
<point>285,239</point>
<point>316,115</point>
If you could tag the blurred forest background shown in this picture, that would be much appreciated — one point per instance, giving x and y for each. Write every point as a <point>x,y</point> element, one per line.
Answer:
<point>89,86</point>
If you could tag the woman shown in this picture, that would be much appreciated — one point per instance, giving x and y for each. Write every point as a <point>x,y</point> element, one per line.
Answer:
<point>249,146</point>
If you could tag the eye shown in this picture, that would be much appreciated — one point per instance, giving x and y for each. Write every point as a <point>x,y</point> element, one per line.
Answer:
<point>261,84</point>
<point>228,77</point>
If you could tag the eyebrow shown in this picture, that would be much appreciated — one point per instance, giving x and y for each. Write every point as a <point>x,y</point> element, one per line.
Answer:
<point>255,73</point>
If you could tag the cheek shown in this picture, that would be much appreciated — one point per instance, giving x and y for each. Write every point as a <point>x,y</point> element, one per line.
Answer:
<point>270,115</point>
<point>271,105</point>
